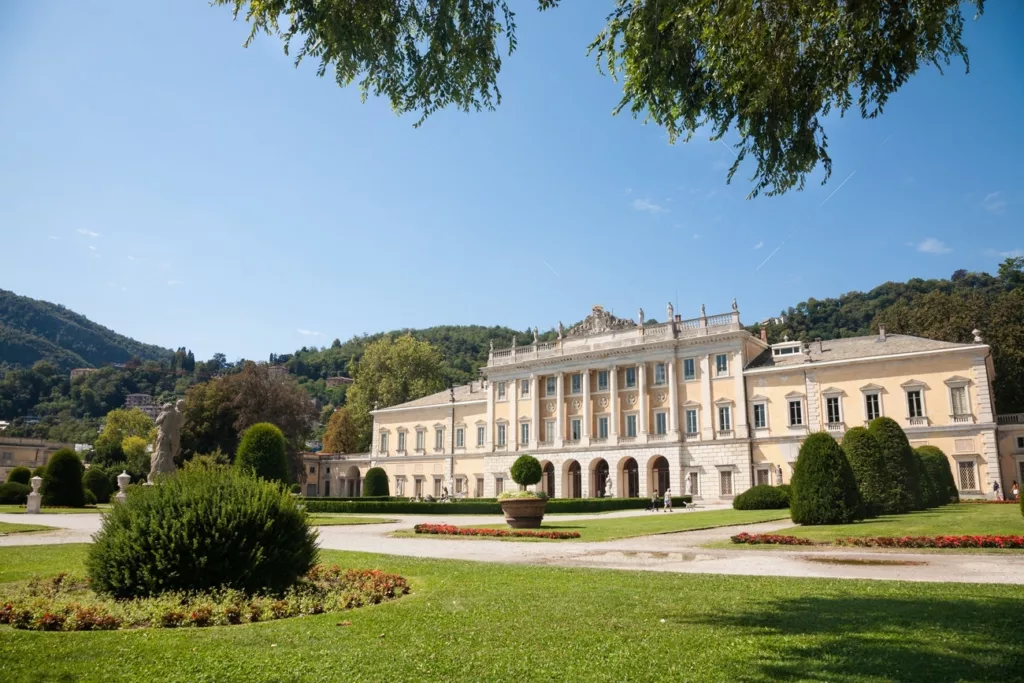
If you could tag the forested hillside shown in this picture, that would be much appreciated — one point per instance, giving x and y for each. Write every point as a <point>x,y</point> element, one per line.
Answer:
<point>33,330</point>
<point>940,309</point>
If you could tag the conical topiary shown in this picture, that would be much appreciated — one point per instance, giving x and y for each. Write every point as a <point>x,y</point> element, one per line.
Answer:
<point>903,490</point>
<point>824,489</point>
<point>865,458</point>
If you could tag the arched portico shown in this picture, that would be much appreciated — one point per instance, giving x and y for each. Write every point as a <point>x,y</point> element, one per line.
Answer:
<point>658,478</point>
<point>547,479</point>
<point>573,480</point>
<point>629,479</point>
<point>598,477</point>
<point>351,484</point>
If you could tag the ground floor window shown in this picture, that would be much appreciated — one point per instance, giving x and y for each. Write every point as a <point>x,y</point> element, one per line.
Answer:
<point>725,483</point>
<point>693,479</point>
<point>479,493</point>
<point>419,487</point>
<point>327,488</point>
<point>437,487</point>
<point>968,480</point>
<point>762,478</point>
<point>499,486</point>
<point>460,485</point>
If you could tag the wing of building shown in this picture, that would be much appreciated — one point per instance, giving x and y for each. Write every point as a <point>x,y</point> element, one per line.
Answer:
<point>700,406</point>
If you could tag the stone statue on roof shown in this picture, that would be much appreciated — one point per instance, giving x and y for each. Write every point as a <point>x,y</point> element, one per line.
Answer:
<point>734,306</point>
<point>561,329</point>
<point>597,322</point>
<point>703,313</point>
<point>534,335</point>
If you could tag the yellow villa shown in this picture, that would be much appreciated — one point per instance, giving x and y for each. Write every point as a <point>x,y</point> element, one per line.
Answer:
<point>699,406</point>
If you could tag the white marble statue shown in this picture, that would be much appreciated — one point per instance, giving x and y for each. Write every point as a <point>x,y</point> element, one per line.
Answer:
<point>778,475</point>
<point>608,487</point>
<point>168,439</point>
<point>689,485</point>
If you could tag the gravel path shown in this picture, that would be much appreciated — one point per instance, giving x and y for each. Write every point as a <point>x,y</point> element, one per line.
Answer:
<point>678,552</point>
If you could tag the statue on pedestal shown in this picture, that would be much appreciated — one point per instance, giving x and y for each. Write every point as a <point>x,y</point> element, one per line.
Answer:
<point>608,487</point>
<point>534,336</point>
<point>561,329</point>
<point>778,475</point>
<point>168,439</point>
<point>640,315</point>
<point>689,485</point>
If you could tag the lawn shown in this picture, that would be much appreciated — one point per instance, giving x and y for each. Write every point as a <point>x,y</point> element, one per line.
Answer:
<point>8,528</point>
<point>20,510</point>
<point>641,525</point>
<point>479,621</point>
<point>344,520</point>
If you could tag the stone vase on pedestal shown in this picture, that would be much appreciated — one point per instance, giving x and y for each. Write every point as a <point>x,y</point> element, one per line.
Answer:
<point>122,483</point>
<point>34,505</point>
<point>523,513</point>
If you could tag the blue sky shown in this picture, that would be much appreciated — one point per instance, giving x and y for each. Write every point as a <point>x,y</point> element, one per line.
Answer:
<point>171,185</point>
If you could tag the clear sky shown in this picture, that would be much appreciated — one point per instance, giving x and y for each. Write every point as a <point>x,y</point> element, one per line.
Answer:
<point>175,187</point>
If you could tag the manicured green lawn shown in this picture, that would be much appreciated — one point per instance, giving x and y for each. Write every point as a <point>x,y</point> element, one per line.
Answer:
<point>950,520</point>
<point>641,525</point>
<point>469,621</point>
<point>342,520</point>
<point>8,528</point>
<point>20,509</point>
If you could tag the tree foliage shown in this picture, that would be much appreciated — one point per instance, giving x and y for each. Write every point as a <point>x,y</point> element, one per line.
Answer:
<point>62,483</point>
<point>869,469</point>
<point>392,371</point>
<point>940,474</point>
<point>824,489</point>
<point>341,435</point>
<point>262,453</point>
<point>122,424</point>
<point>762,497</point>
<point>903,487</point>
<point>20,475</point>
<point>97,480</point>
<point>768,70</point>
<point>526,470</point>
<point>375,483</point>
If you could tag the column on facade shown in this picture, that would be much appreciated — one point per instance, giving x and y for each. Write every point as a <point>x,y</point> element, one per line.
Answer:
<point>585,440</point>
<point>642,371</point>
<point>707,427</point>
<point>513,414</point>
<point>535,435</point>
<point>613,405</point>
<point>740,414</point>
<point>673,399</point>
<point>559,410</point>
<point>489,429</point>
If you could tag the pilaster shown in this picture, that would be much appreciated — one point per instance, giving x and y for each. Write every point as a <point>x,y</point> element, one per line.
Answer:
<point>513,415</point>
<point>560,410</point>
<point>673,398</point>
<point>613,404</point>
<point>739,417</point>
<point>489,428</point>
<point>642,381</point>
<point>707,429</point>
<point>535,435</point>
<point>585,440</point>
<point>813,403</point>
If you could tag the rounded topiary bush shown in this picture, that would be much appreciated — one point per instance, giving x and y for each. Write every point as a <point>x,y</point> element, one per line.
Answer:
<point>20,475</point>
<point>13,493</point>
<point>935,462</point>
<point>823,490</point>
<point>97,481</point>
<point>928,489</point>
<point>865,458</point>
<point>262,452</point>
<point>62,483</point>
<point>762,497</point>
<point>375,483</point>
<point>903,487</point>
<point>201,529</point>
<point>526,470</point>
<point>295,488</point>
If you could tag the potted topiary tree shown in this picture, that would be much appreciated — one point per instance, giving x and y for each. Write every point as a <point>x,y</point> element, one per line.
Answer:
<point>524,509</point>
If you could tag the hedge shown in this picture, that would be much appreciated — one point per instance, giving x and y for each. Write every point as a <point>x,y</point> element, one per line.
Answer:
<point>936,464</point>
<point>62,483</point>
<point>824,489</point>
<point>762,497</point>
<point>477,506</point>
<point>865,457</point>
<point>262,452</point>
<point>903,490</point>
<point>375,483</point>
<point>20,475</point>
<point>13,493</point>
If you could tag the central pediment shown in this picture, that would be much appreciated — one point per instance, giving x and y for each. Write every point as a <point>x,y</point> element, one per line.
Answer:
<point>597,322</point>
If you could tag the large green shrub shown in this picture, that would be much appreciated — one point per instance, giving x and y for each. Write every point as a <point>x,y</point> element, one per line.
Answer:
<point>13,493</point>
<point>20,475</point>
<point>375,483</point>
<point>526,470</point>
<point>928,488</point>
<point>762,497</point>
<point>200,529</point>
<point>823,490</point>
<point>262,452</point>
<point>62,483</point>
<point>39,472</point>
<point>865,457</point>
<point>903,488</point>
<point>935,462</point>
<point>97,480</point>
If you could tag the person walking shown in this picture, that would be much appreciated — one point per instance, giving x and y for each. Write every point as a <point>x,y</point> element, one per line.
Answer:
<point>995,489</point>
<point>654,501</point>
<point>668,500</point>
<point>1014,490</point>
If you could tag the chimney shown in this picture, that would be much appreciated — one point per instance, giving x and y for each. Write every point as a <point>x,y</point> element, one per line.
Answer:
<point>817,342</point>
<point>881,333</point>
<point>764,333</point>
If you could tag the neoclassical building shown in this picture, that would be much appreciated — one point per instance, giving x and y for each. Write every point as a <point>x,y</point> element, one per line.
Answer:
<point>700,406</point>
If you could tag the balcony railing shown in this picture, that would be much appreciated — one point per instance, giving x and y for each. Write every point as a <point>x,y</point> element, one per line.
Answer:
<point>961,419</point>
<point>546,443</point>
<point>658,437</point>
<point>599,440</point>
<point>724,433</point>
<point>572,442</point>
<point>836,427</point>
<point>627,439</point>
<point>918,421</point>
<point>1010,419</point>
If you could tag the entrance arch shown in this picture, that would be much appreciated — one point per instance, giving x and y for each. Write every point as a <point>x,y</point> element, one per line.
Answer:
<point>657,475</point>
<point>629,478</point>
<point>353,484</point>
<point>547,480</point>
<point>573,482</point>
<point>598,477</point>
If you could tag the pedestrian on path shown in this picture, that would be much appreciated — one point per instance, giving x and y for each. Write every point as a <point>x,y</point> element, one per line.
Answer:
<point>1014,490</point>
<point>995,490</point>
<point>668,500</point>
<point>654,502</point>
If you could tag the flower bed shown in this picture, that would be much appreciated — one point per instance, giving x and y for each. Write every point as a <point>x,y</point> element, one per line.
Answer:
<point>1013,542</point>
<point>67,603</point>
<point>451,530</point>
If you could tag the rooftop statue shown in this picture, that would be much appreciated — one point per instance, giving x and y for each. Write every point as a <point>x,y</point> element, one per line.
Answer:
<point>597,322</point>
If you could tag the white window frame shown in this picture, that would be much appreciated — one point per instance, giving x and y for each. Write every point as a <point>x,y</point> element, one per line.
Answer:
<point>524,388</point>
<point>952,384</point>
<point>481,435</point>
<point>789,412</point>
<point>766,471</point>
<point>626,383</point>
<point>634,420</point>
<point>575,388</point>
<point>602,380</point>
<point>690,376</point>
<point>421,439</point>
<point>401,441</point>
<point>384,442</point>
<point>438,438</point>
<point>603,426</point>
<point>763,405</point>
<point>660,374</point>
<point>696,421</point>
<point>501,390</point>
<point>524,432</point>
<point>973,462</point>
<point>576,428</point>
<point>910,387</point>
<point>502,435</point>
<point>499,485</point>
<point>726,424</point>
<point>837,395</point>
<point>723,477</point>
<point>550,386</point>
<point>661,422</point>
<point>719,371</point>
<point>460,437</point>
<point>550,430</point>
<point>877,393</point>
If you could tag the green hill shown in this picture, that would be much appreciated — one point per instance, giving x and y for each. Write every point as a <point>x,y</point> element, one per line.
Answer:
<point>33,330</point>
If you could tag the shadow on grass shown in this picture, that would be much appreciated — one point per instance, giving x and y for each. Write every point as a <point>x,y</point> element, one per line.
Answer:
<point>857,638</point>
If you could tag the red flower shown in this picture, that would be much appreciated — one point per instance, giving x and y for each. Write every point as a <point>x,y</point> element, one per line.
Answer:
<point>451,530</point>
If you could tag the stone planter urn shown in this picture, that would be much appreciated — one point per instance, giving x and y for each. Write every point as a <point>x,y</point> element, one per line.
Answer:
<point>523,513</point>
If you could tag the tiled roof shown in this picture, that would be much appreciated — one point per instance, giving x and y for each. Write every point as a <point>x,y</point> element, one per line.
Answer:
<point>474,391</point>
<point>851,348</point>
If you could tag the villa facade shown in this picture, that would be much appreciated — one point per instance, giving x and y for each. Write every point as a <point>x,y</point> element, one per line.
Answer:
<point>700,406</point>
